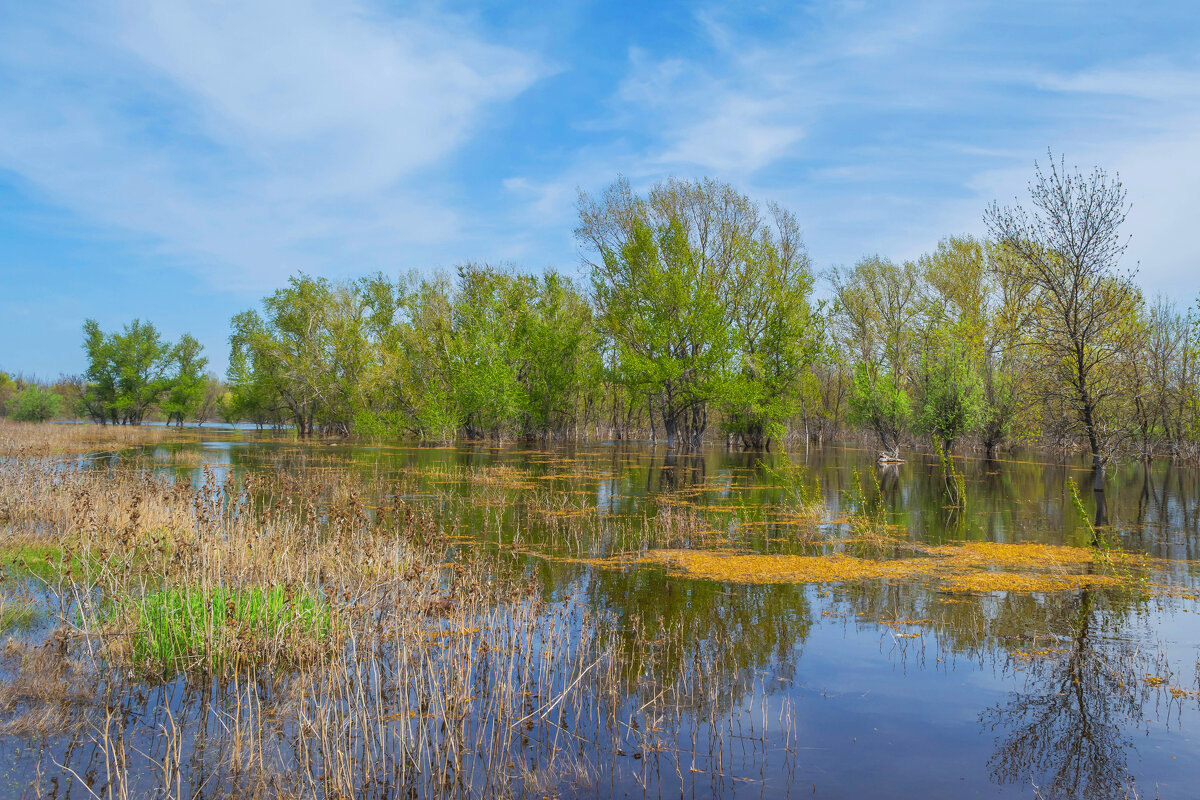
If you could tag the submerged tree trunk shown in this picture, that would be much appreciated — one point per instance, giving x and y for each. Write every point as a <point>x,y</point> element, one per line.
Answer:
<point>889,447</point>
<point>650,412</point>
<point>890,455</point>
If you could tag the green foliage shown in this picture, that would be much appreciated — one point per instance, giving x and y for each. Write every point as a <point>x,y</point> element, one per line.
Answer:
<point>306,353</point>
<point>562,369</point>
<point>951,401</point>
<point>667,326</point>
<point>1065,249</point>
<point>879,402</point>
<point>878,306</point>
<point>132,371</point>
<point>16,614</point>
<point>780,339</point>
<point>8,388</point>
<point>420,384</point>
<point>703,304</point>
<point>978,314</point>
<point>179,629</point>
<point>35,404</point>
<point>188,384</point>
<point>44,561</point>
<point>877,311</point>
<point>489,354</point>
<point>484,349</point>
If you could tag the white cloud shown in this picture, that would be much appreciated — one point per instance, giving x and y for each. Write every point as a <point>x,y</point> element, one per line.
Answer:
<point>887,130</point>
<point>1149,82</point>
<point>732,123</point>
<point>249,138</point>
<point>741,135</point>
<point>748,98</point>
<point>1152,143</point>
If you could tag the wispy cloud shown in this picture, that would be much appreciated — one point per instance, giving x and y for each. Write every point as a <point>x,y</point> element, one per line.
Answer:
<point>249,139</point>
<point>890,126</point>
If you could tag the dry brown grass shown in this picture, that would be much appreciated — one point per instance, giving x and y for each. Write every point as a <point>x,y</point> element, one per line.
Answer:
<point>24,439</point>
<point>47,693</point>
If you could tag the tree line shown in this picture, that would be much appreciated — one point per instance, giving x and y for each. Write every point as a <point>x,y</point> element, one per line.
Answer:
<point>697,319</point>
<point>132,375</point>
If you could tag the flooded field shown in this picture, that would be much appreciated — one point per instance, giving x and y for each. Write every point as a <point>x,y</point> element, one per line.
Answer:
<point>232,615</point>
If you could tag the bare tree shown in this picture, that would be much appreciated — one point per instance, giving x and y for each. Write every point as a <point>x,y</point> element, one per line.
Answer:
<point>1067,249</point>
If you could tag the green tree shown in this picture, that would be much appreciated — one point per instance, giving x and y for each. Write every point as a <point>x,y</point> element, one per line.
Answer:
<point>488,322</point>
<point>307,352</point>
<point>252,396</point>
<point>877,313</point>
<point>423,384</point>
<point>36,404</point>
<point>702,302</point>
<point>779,336</point>
<point>128,371</point>
<point>971,346</point>
<point>100,378</point>
<point>187,383</point>
<point>209,406</point>
<point>672,340</point>
<point>8,388</point>
<point>878,402</point>
<point>951,397</point>
<point>561,367</point>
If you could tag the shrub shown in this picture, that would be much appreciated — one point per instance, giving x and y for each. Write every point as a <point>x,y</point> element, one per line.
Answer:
<point>35,404</point>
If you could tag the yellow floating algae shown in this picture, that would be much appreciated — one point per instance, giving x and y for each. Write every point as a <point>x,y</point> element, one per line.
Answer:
<point>1014,555</point>
<point>979,567</point>
<point>733,568</point>
<point>1027,582</point>
<point>1177,592</point>
<point>1033,655</point>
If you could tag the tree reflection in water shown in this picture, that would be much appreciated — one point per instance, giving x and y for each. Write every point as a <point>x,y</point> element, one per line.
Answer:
<point>1067,732</point>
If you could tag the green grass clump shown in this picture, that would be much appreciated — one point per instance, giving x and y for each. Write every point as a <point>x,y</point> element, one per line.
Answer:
<point>16,615</point>
<point>42,560</point>
<point>215,630</point>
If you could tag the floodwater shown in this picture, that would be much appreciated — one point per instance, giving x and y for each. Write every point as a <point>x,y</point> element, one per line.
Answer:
<point>879,688</point>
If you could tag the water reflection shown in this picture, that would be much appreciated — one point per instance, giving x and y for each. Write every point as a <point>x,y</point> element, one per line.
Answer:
<point>1067,731</point>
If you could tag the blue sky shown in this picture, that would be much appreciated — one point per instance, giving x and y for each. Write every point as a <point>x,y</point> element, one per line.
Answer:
<point>177,160</point>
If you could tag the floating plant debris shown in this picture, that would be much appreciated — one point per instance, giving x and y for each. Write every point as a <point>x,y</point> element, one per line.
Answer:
<point>971,568</point>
